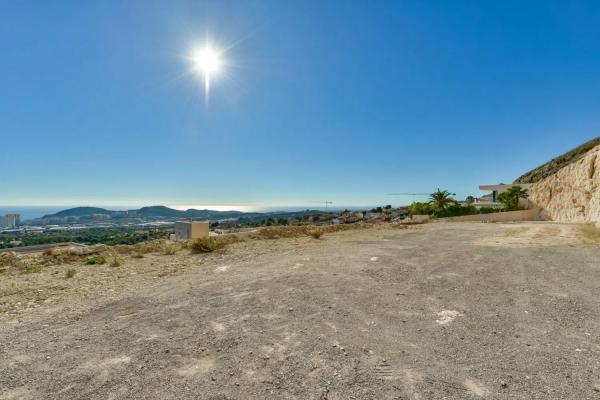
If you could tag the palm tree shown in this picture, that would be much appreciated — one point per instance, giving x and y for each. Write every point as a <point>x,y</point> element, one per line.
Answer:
<point>441,199</point>
<point>510,198</point>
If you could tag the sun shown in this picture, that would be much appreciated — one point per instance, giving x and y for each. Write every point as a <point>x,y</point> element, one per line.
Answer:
<point>207,62</point>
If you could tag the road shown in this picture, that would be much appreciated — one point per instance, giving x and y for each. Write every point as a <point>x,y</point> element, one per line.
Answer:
<point>439,311</point>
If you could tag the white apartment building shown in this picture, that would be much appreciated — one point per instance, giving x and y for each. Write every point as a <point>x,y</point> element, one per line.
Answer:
<point>10,220</point>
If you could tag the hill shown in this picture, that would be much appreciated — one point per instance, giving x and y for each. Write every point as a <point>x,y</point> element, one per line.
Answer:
<point>79,212</point>
<point>161,212</point>
<point>554,165</point>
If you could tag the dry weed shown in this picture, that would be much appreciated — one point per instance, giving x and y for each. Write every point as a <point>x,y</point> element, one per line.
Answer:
<point>591,232</point>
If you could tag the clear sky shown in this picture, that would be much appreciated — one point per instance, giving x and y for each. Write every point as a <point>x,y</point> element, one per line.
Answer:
<point>338,100</point>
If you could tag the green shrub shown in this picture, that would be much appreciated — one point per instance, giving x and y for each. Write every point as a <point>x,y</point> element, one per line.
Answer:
<point>206,245</point>
<point>32,269</point>
<point>455,210</point>
<point>95,260</point>
<point>418,208</point>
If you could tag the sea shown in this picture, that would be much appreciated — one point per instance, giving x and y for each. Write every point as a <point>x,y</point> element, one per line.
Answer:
<point>31,212</point>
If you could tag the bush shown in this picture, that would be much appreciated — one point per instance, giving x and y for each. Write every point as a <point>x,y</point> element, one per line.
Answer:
<point>70,273</point>
<point>316,234</point>
<point>96,260</point>
<point>169,249</point>
<point>455,211</point>
<point>206,245</point>
<point>116,262</point>
<point>417,208</point>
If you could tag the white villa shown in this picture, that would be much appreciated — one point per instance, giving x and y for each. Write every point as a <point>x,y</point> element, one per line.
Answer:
<point>491,199</point>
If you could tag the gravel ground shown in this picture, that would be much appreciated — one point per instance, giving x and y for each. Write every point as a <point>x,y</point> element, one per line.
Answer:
<point>438,311</point>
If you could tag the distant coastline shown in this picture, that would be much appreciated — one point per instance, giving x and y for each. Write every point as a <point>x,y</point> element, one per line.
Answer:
<point>33,212</point>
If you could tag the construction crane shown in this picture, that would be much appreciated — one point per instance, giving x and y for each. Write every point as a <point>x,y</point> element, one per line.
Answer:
<point>326,202</point>
<point>414,195</point>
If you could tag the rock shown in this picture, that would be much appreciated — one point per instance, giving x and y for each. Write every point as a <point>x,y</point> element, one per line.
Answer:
<point>86,250</point>
<point>570,194</point>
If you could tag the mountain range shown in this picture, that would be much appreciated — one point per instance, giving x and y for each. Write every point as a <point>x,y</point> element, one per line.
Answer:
<point>148,212</point>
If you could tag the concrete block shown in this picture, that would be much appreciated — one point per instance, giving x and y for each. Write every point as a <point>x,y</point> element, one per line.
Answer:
<point>185,230</point>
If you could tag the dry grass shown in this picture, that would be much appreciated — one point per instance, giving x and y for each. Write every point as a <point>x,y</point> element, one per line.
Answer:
<point>277,232</point>
<point>9,260</point>
<point>116,262</point>
<point>207,245</point>
<point>31,269</point>
<point>70,273</point>
<point>170,249</point>
<point>151,246</point>
<point>57,256</point>
<point>591,232</point>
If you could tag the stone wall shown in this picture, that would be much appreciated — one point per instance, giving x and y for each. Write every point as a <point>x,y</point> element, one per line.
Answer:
<point>508,216</point>
<point>573,193</point>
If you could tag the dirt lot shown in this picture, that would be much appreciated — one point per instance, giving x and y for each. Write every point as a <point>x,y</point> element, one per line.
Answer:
<point>438,311</point>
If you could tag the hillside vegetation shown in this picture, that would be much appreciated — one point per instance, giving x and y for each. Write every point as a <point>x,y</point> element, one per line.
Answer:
<point>554,165</point>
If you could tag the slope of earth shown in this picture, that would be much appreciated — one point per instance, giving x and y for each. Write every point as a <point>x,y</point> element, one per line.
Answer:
<point>554,165</point>
<point>439,311</point>
<point>573,193</point>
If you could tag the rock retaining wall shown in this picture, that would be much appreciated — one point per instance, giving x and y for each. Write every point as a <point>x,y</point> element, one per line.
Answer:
<point>573,193</point>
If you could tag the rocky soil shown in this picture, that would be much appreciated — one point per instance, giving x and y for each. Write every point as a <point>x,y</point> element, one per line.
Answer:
<point>437,311</point>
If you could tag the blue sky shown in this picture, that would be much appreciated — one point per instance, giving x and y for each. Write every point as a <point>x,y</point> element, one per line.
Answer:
<point>345,101</point>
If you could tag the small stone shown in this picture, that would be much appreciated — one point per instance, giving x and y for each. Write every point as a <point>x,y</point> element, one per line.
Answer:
<point>503,384</point>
